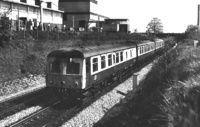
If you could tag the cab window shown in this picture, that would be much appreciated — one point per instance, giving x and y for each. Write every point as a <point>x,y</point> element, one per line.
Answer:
<point>65,66</point>
<point>73,66</point>
<point>55,66</point>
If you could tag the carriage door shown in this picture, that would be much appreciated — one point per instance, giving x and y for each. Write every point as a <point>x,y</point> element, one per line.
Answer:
<point>87,72</point>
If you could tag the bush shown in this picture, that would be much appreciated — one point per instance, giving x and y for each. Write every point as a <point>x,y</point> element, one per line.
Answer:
<point>5,31</point>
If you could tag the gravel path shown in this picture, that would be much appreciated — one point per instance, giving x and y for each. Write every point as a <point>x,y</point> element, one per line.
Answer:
<point>20,115</point>
<point>97,110</point>
<point>19,87</point>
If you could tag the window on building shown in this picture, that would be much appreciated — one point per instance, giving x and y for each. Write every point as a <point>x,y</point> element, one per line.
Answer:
<point>95,64</point>
<point>109,59</point>
<point>65,16</point>
<point>24,1</point>
<point>37,2</point>
<point>82,23</point>
<point>103,62</point>
<point>49,4</point>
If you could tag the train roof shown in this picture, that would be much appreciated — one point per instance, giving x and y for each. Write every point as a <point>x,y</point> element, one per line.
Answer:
<point>144,42</point>
<point>156,40</point>
<point>89,51</point>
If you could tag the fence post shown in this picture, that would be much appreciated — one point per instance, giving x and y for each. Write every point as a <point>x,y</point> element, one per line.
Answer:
<point>58,34</point>
<point>37,33</point>
<point>135,80</point>
<point>195,43</point>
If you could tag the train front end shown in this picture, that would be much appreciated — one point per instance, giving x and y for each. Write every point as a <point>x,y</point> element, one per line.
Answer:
<point>65,72</point>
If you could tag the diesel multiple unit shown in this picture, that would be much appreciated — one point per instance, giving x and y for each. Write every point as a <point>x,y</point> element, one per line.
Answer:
<point>76,69</point>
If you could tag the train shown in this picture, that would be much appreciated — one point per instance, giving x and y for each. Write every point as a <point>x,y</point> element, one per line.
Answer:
<point>74,70</point>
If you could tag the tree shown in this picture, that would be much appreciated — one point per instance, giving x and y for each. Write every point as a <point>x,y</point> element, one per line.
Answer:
<point>193,32</point>
<point>192,29</point>
<point>5,28</point>
<point>155,26</point>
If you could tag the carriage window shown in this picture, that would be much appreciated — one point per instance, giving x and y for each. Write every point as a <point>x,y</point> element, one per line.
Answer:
<point>103,62</point>
<point>131,55</point>
<point>95,64</point>
<point>142,49</point>
<point>117,57</point>
<point>121,56</point>
<point>113,58</point>
<point>109,59</point>
<point>134,52</point>
<point>126,55</point>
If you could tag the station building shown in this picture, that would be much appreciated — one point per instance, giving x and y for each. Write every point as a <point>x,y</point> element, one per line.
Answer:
<point>81,14</point>
<point>116,25</point>
<point>33,13</point>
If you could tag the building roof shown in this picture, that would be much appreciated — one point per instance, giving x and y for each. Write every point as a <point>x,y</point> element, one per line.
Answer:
<point>21,3</point>
<point>116,19</point>
<point>83,13</point>
<point>32,5</point>
<point>94,1</point>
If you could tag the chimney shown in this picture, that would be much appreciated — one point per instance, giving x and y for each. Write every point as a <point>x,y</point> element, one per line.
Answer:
<point>198,16</point>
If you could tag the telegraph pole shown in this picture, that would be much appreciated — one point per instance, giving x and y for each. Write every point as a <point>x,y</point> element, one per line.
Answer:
<point>73,23</point>
<point>98,28</point>
<point>41,14</point>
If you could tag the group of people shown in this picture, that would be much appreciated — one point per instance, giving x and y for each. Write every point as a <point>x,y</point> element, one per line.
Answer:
<point>34,25</point>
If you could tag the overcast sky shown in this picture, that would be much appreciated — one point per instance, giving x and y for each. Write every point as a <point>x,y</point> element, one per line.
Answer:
<point>175,15</point>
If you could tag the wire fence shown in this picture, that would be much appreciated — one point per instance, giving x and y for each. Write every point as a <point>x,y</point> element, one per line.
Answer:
<point>64,35</point>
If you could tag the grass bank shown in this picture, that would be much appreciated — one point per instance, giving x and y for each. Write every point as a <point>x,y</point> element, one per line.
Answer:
<point>169,97</point>
<point>26,53</point>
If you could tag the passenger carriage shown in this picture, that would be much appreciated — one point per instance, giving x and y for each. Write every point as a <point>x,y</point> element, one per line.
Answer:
<point>76,69</point>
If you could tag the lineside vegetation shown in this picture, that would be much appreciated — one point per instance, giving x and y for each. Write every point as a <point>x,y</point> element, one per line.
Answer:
<point>170,95</point>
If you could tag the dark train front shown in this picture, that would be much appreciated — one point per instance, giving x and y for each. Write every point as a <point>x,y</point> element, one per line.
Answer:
<point>65,71</point>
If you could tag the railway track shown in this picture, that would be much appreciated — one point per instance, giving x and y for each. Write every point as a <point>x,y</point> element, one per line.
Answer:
<point>46,114</point>
<point>56,114</point>
<point>20,103</point>
<point>65,116</point>
<point>61,111</point>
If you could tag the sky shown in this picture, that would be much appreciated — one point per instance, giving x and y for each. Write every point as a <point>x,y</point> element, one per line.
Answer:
<point>175,15</point>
